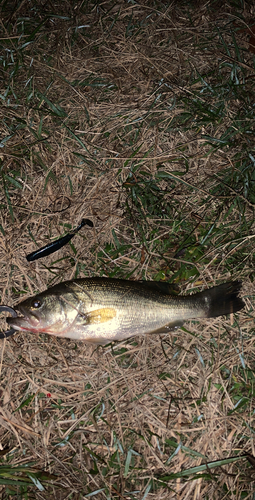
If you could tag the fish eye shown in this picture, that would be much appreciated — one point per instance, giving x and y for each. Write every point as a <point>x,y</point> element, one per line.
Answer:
<point>36,304</point>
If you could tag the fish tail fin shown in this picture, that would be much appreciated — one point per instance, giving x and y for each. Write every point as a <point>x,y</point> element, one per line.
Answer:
<point>222,299</point>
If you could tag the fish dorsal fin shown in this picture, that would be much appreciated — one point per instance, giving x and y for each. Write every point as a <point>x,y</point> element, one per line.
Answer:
<point>96,317</point>
<point>161,287</point>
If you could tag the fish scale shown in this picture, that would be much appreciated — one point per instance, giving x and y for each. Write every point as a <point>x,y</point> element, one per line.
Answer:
<point>101,310</point>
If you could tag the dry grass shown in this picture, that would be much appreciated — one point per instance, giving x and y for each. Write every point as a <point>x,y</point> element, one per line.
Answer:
<point>142,121</point>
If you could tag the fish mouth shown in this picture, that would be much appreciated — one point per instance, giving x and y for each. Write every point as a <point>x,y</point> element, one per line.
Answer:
<point>24,322</point>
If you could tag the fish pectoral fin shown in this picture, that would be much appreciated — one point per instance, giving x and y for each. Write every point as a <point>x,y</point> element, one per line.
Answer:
<point>169,327</point>
<point>96,317</point>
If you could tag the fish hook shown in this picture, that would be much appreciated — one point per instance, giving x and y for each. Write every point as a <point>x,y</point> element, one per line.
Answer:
<point>10,332</point>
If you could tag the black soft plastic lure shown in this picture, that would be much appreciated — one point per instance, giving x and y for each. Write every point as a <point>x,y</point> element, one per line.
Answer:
<point>57,244</point>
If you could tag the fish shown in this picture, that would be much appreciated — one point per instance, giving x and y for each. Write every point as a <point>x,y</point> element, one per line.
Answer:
<point>102,310</point>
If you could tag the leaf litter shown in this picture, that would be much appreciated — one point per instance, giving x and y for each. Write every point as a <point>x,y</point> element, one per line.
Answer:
<point>140,118</point>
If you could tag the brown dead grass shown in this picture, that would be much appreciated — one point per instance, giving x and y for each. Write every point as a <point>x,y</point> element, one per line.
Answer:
<point>106,401</point>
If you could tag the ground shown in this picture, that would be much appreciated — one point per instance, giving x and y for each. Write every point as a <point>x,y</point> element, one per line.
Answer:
<point>139,117</point>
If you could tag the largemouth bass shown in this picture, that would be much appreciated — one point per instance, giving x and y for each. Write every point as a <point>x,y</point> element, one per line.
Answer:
<point>101,310</point>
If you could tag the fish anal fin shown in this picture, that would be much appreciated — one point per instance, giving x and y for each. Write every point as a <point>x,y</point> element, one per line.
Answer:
<point>96,341</point>
<point>96,317</point>
<point>169,327</point>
